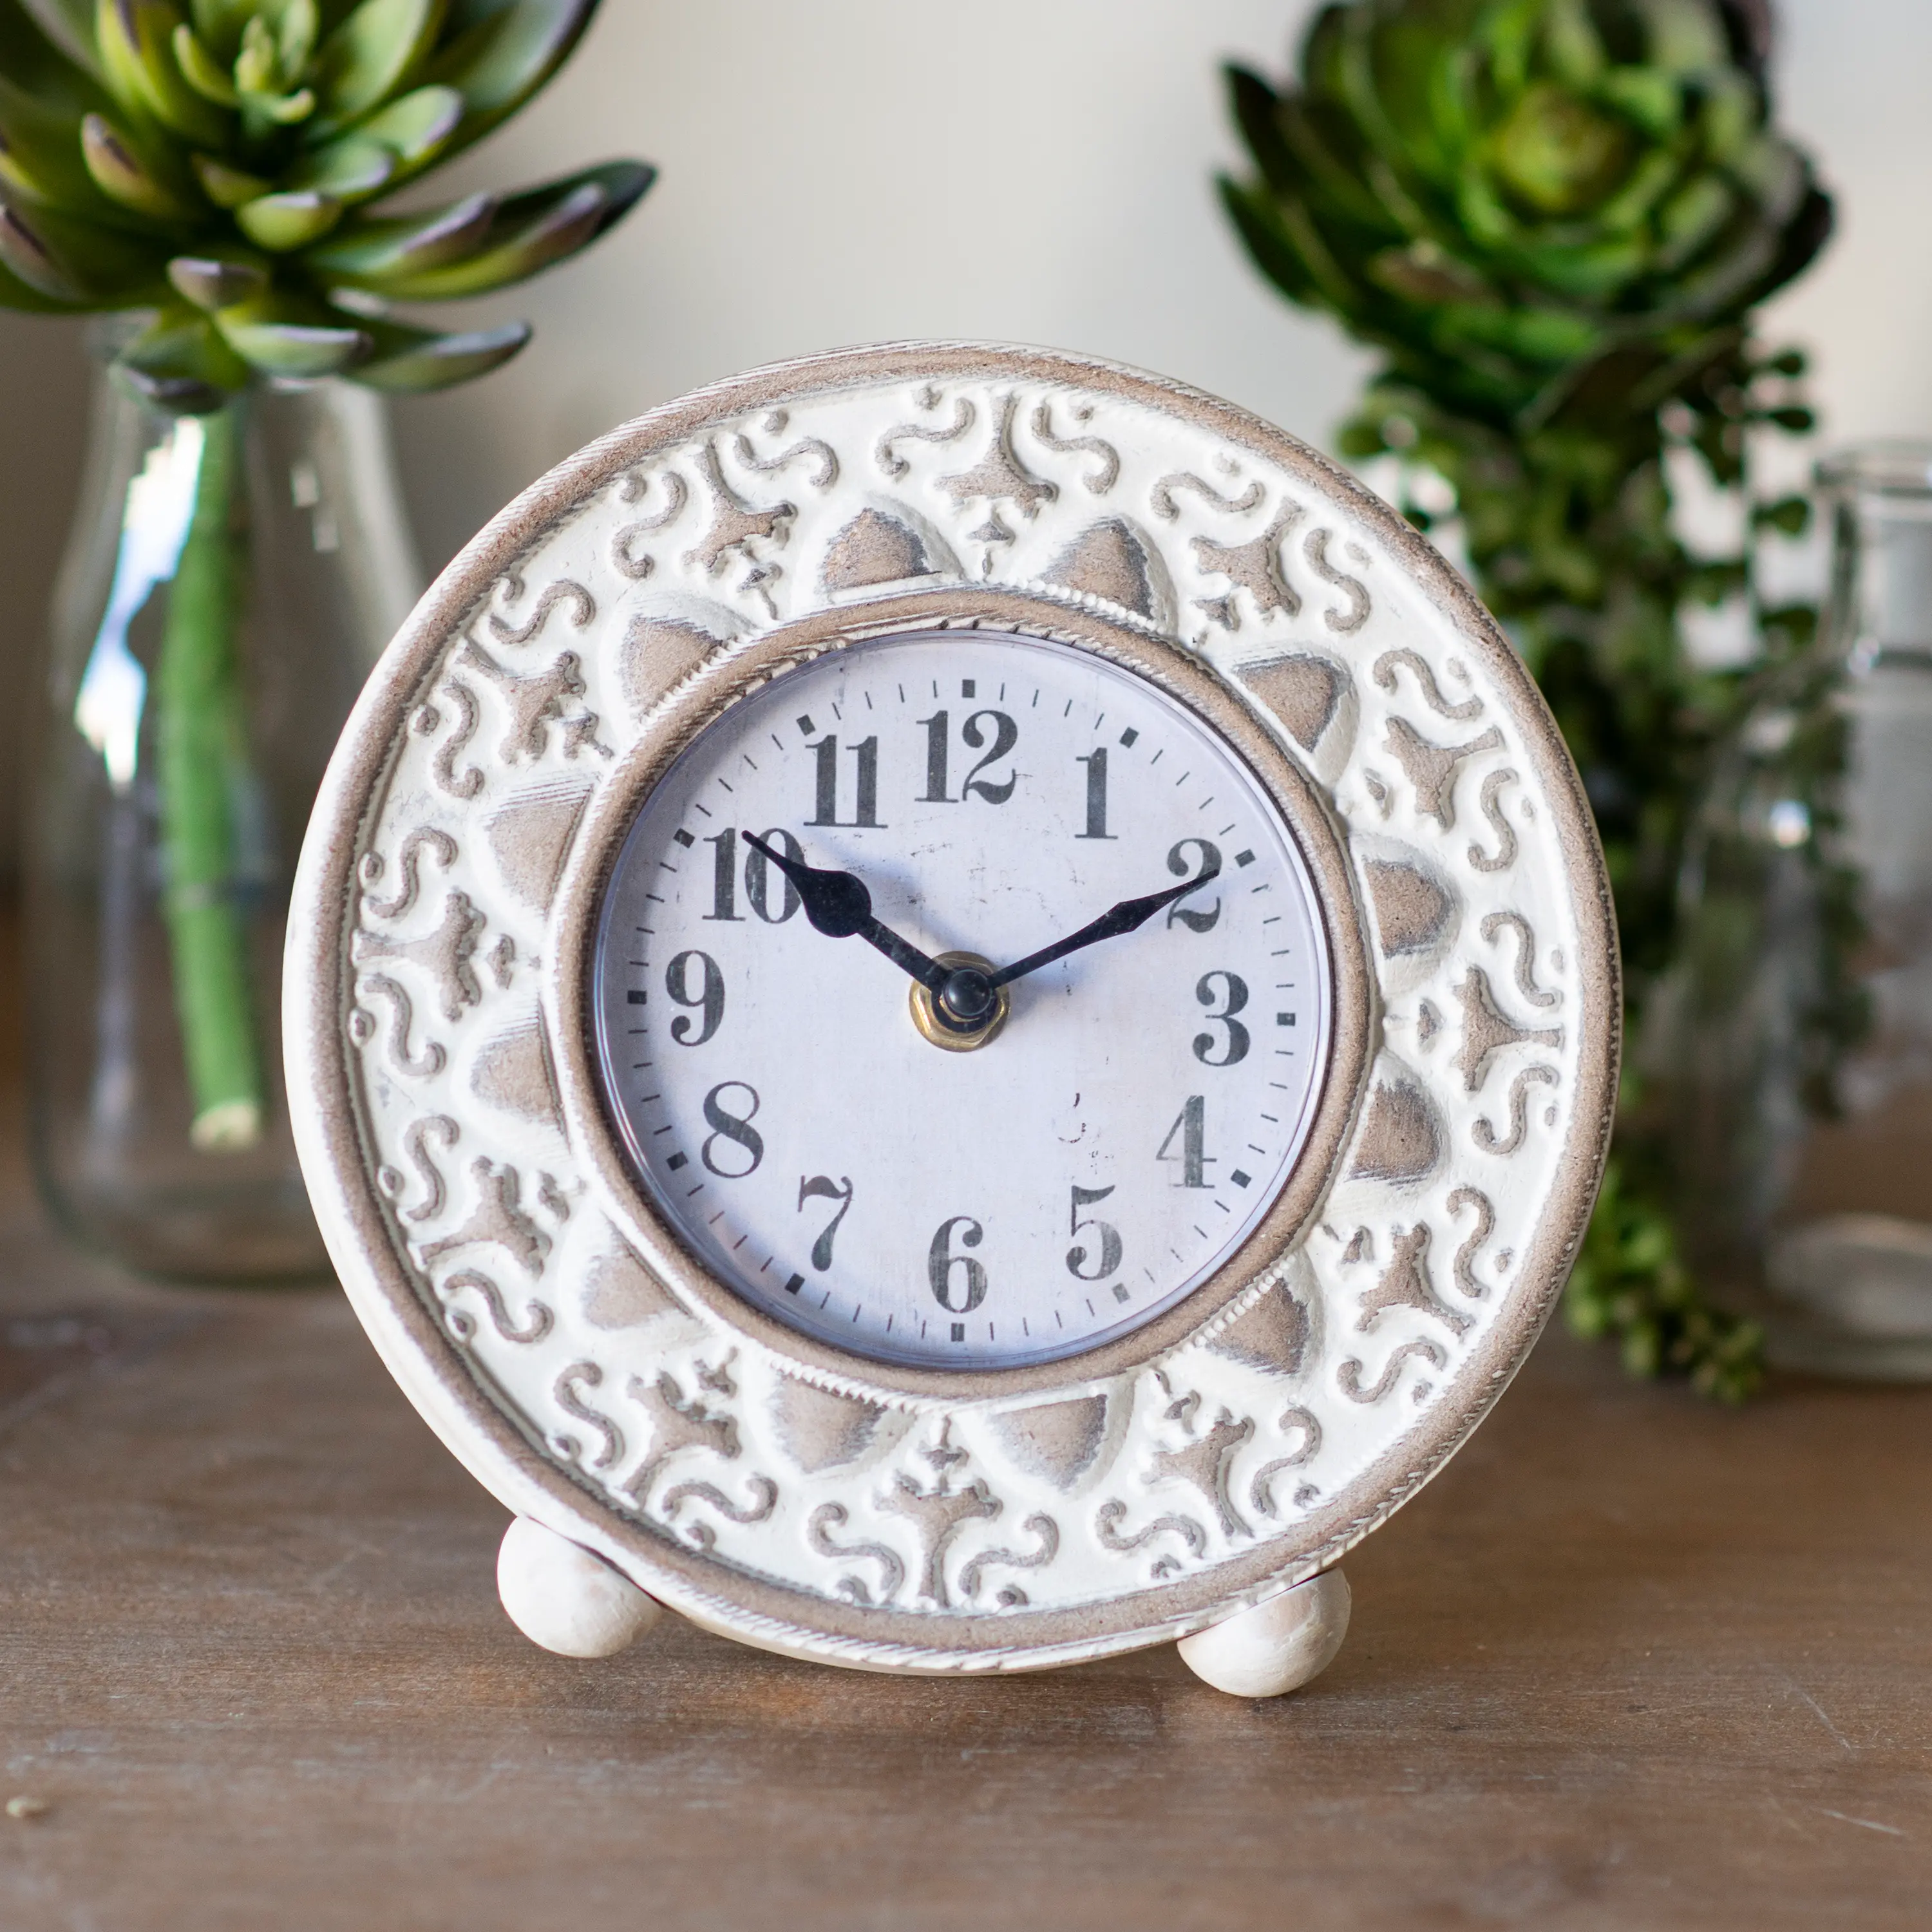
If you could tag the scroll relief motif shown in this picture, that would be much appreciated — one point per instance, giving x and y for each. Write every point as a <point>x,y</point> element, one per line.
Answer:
<point>1237,1440</point>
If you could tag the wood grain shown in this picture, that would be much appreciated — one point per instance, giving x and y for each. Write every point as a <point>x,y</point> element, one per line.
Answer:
<point>1630,1663</point>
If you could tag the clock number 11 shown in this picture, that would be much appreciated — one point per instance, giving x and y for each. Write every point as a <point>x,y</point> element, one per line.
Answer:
<point>825,790</point>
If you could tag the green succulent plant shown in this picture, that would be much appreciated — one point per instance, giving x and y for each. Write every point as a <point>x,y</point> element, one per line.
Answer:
<point>218,167</point>
<point>222,164</point>
<point>1555,218</point>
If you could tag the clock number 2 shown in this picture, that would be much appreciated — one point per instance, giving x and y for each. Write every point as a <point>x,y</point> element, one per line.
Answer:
<point>941,1262</point>
<point>1109,1259</point>
<point>1195,918</point>
<point>822,1186</point>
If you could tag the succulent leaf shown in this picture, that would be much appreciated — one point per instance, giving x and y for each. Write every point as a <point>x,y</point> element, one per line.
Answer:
<point>412,362</point>
<point>373,53</point>
<point>217,160</point>
<point>211,283</point>
<point>291,220</point>
<point>121,174</point>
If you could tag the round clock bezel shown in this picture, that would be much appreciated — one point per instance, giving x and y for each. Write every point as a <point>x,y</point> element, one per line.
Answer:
<point>709,695</point>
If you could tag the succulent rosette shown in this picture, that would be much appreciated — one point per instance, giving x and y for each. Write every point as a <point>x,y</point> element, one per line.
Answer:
<point>223,163</point>
<point>1555,218</point>
<point>1506,193</point>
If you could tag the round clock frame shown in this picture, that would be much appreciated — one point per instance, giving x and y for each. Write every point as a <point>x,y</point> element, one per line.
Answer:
<point>570,1349</point>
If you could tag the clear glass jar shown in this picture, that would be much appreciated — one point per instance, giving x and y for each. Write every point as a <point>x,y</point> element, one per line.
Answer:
<point>1798,1030</point>
<point>229,581</point>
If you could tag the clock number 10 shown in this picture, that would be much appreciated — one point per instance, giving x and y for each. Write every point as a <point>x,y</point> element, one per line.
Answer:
<point>759,875</point>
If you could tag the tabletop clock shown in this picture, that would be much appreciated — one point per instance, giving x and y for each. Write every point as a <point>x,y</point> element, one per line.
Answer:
<point>951,1009</point>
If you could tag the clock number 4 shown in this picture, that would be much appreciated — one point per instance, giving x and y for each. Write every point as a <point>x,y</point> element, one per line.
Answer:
<point>822,1186</point>
<point>1191,1126</point>
<point>969,1283</point>
<point>1108,1258</point>
<point>1006,734</point>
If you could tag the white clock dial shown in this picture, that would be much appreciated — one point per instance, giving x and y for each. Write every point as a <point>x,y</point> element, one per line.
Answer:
<point>1107,1148</point>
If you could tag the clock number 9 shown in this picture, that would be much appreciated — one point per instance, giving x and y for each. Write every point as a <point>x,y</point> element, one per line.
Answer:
<point>1109,1256</point>
<point>1237,1042</point>
<point>941,1261</point>
<point>710,997</point>
<point>736,1128</point>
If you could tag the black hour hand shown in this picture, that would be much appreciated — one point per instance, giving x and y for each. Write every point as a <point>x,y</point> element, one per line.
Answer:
<point>838,904</point>
<point>1127,917</point>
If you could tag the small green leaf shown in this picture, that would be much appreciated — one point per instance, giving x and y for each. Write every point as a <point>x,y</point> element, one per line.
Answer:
<point>412,362</point>
<point>373,52</point>
<point>416,128</point>
<point>121,174</point>
<point>25,255</point>
<point>69,25</point>
<point>351,169</point>
<point>497,53</point>
<point>200,69</point>
<point>210,283</point>
<point>530,231</point>
<point>283,222</point>
<point>372,251</point>
<point>136,39</point>
<point>180,350</point>
<point>280,346</point>
<point>226,187</point>
<point>40,153</point>
<point>78,261</point>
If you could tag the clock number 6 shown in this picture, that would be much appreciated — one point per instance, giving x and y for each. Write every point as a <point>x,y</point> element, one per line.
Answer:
<point>710,997</point>
<point>735,1127</point>
<point>1110,1253</point>
<point>941,1261</point>
<point>1237,1039</point>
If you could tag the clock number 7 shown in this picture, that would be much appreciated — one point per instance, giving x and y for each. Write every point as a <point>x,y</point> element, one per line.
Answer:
<point>1191,1124</point>
<point>822,1186</point>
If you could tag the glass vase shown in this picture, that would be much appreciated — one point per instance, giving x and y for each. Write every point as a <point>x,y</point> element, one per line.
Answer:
<point>1799,1034</point>
<point>230,580</point>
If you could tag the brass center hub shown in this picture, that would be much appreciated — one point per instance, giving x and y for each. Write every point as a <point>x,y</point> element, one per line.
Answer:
<point>968,1012</point>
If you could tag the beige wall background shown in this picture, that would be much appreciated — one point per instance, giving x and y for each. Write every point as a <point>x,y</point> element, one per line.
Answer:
<point>841,171</point>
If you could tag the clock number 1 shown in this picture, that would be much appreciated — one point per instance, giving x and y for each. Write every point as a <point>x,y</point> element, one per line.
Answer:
<point>1096,763</point>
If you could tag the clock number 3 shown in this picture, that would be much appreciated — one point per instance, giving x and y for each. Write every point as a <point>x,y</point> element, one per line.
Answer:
<point>941,1261</point>
<point>1108,1258</point>
<point>1235,993</point>
<point>822,1186</point>
<point>736,1128</point>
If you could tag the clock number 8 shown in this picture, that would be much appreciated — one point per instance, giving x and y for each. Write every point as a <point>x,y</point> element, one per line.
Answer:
<point>941,1261</point>
<point>736,1128</point>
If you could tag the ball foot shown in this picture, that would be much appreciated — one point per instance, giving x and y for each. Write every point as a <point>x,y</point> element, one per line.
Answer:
<point>564,1599</point>
<point>1277,1646</point>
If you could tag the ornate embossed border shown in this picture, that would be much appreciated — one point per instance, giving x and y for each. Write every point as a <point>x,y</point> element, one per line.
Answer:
<point>376,1269</point>
<point>573,927</point>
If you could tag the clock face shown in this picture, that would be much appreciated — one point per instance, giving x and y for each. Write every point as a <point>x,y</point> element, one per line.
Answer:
<point>857,1160</point>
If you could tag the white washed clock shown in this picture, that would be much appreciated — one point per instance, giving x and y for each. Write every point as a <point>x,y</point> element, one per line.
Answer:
<point>954,1010</point>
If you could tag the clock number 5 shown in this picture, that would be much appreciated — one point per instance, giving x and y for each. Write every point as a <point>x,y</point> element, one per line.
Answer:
<point>822,1186</point>
<point>1109,1256</point>
<point>941,1262</point>
<point>1236,995</point>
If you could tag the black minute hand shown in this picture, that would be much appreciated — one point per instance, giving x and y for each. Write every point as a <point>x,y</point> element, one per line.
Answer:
<point>838,905</point>
<point>1127,917</point>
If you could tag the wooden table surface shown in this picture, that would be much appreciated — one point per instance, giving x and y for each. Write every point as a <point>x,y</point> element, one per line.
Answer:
<point>1631,1661</point>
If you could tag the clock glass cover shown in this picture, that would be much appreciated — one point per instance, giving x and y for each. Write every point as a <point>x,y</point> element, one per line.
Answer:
<point>871,1139</point>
